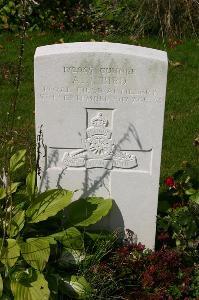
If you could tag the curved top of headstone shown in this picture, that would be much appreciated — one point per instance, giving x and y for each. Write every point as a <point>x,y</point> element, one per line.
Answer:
<point>104,47</point>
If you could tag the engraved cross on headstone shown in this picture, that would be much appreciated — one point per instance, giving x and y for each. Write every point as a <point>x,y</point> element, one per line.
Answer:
<point>99,157</point>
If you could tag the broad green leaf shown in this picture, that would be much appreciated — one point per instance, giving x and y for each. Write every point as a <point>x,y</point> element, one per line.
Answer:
<point>75,286</point>
<point>1,285</point>
<point>195,198</point>
<point>70,238</point>
<point>30,184</point>
<point>48,204</point>
<point>71,257</point>
<point>190,191</point>
<point>17,223</point>
<point>85,212</point>
<point>36,252</point>
<point>12,189</point>
<point>7,9</point>
<point>17,160</point>
<point>35,290</point>
<point>49,239</point>
<point>9,253</point>
<point>2,193</point>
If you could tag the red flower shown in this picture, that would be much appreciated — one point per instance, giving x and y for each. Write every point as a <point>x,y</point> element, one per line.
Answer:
<point>169,181</point>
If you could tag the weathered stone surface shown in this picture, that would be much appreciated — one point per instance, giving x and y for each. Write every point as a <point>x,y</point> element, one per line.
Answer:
<point>100,107</point>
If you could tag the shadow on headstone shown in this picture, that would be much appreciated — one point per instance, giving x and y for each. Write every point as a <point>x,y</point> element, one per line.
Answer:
<point>112,222</point>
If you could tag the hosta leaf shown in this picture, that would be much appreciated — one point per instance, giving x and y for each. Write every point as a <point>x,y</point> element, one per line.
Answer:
<point>70,238</point>
<point>35,290</point>
<point>48,204</point>
<point>75,286</point>
<point>17,223</point>
<point>50,240</point>
<point>14,187</point>
<point>17,160</point>
<point>36,252</point>
<point>85,212</point>
<point>1,285</point>
<point>9,252</point>
<point>71,257</point>
<point>11,189</point>
<point>30,184</point>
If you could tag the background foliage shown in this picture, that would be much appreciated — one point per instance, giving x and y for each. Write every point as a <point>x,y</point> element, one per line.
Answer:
<point>135,17</point>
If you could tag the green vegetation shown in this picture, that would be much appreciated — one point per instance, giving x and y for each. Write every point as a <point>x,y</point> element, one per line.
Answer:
<point>134,17</point>
<point>182,103</point>
<point>42,231</point>
<point>48,251</point>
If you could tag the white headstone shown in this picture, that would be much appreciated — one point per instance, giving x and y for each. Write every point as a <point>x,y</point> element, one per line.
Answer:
<point>100,108</point>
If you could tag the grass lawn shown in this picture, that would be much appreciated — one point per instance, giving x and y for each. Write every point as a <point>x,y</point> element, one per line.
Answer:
<point>182,103</point>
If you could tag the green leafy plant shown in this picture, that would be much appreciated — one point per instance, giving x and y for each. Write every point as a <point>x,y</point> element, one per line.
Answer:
<point>137,18</point>
<point>8,10</point>
<point>41,231</point>
<point>179,209</point>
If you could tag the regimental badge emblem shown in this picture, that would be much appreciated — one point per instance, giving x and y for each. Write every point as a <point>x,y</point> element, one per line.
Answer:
<point>100,150</point>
